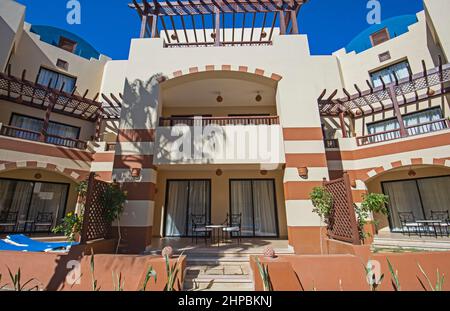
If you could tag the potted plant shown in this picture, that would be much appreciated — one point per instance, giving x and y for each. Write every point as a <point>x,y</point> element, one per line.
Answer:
<point>322,201</point>
<point>70,226</point>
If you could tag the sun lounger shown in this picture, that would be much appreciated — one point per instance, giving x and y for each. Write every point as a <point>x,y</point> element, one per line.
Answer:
<point>21,240</point>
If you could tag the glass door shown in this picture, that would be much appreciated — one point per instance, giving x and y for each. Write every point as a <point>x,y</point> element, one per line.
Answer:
<point>27,206</point>
<point>256,200</point>
<point>183,199</point>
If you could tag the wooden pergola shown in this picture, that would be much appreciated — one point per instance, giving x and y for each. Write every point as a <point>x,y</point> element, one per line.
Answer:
<point>24,92</point>
<point>428,84</point>
<point>171,17</point>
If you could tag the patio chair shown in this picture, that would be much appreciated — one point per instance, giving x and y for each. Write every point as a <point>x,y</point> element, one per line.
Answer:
<point>43,220</point>
<point>199,228</point>
<point>8,219</point>
<point>233,225</point>
<point>409,224</point>
<point>445,218</point>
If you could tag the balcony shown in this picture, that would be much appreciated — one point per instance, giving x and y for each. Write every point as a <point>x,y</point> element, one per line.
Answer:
<point>219,140</point>
<point>16,132</point>
<point>419,129</point>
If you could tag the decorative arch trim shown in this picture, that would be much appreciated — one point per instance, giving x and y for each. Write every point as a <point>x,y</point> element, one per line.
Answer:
<point>75,175</point>
<point>406,162</point>
<point>234,68</point>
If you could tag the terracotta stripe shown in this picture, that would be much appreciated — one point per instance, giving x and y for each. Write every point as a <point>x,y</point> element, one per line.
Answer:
<point>300,190</point>
<point>105,176</point>
<point>133,161</point>
<point>103,157</point>
<point>306,159</point>
<point>398,147</point>
<point>139,191</point>
<point>333,155</point>
<point>417,161</point>
<point>30,147</point>
<point>358,195</point>
<point>304,133</point>
<point>136,135</point>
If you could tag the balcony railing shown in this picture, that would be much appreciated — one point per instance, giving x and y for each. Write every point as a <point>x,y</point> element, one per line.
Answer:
<point>17,132</point>
<point>220,121</point>
<point>423,128</point>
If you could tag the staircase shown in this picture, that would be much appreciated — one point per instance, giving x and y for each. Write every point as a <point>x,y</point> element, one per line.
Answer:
<point>218,272</point>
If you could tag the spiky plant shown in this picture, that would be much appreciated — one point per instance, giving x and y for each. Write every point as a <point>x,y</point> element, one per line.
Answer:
<point>118,283</point>
<point>265,276</point>
<point>16,280</point>
<point>94,282</point>
<point>438,287</point>
<point>394,274</point>
<point>150,273</point>
<point>172,273</point>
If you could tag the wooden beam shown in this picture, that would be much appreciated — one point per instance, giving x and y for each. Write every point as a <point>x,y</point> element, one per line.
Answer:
<point>342,122</point>
<point>263,25</point>
<point>282,23</point>
<point>294,24</point>
<point>253,27</point>
<point>143,26</point>
<point>273,25</point>
<point>398,113</point>
<point>163,23</point>
<point>243,27</point>
<point>217,24</point>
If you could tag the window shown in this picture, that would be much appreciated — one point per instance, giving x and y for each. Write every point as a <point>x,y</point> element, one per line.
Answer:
<point>62,64</point>
<point>418,197</point>
<point>67,44</point>
<point>185,198</point>
<point>54,128</point>
<point>57,80</point>
<point>255,199</point>
<point>23,203</point>
<point>411,119</point>
<point>401,70</point>
<point>379,37</point>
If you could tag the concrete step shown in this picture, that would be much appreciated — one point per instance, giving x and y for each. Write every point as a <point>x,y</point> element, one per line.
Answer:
<point>241,287</point>
<point>432,245</point>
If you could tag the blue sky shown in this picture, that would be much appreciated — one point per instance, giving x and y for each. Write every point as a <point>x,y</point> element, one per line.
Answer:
<point>109,25</point>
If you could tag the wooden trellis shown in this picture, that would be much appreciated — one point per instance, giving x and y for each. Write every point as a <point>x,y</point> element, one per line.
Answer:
<point>342,224</point>
<point>95,225</point>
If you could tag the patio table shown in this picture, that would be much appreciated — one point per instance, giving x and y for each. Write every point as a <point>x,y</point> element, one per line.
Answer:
<point>430,223</point>
<point>216,232</point>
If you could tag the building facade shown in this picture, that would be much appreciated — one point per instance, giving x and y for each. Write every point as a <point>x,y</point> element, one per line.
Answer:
<point>224,116</point>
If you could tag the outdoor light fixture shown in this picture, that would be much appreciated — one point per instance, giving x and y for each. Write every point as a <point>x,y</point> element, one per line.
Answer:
<point>37,176</point>
<point>430,92</point>
<point>219,172</point>
<point>213,35</point>
<point>263,34</point>
<point>412,173</point>
<point>135,172</point>
<point>303,172</point>
<point>263,172</point>
<point>258,97</point>
<point>174,36</point>
<point>219,98</point>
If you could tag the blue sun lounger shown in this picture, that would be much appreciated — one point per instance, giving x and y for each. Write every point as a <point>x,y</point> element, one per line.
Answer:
<point>38,246</point>
<point>10,247</point>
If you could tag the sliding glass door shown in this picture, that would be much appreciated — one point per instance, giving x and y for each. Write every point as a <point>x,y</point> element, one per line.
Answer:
<point>256,200</point>
<point>417,196</point>
<point>26,205</point>
<point>183,199</point>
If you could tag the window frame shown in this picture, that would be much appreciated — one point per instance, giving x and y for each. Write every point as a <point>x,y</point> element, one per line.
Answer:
<point>39,119</point>
<point>66,40</point>
<point>384,30</point>
<point>373,72</point>
<point>58,73</point>
<point>405,115</point>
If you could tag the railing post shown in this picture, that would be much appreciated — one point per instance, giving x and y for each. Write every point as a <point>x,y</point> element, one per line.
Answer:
<point>47,118</point>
